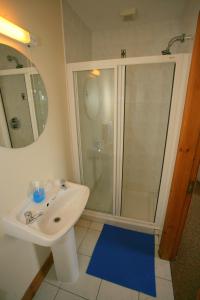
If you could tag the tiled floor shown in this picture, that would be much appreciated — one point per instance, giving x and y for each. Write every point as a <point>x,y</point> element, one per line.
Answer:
<point>92,288</point>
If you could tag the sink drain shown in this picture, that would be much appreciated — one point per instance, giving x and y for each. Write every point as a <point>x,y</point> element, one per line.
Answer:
<point>57,219</point>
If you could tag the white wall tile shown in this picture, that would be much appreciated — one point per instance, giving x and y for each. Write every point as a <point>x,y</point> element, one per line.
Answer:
<point>77,36</point>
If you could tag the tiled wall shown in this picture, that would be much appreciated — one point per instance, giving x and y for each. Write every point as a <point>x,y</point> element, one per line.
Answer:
<point>78,37</point>
<point>138,39</point>
<point>146,39</point>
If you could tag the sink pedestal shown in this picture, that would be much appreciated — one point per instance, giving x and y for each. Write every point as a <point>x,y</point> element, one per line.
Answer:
<point>65,258</point>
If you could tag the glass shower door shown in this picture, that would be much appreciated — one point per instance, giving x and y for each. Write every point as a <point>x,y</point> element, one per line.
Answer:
<point>16,109</point>
<point>148,90</point>
<point>95,122</point>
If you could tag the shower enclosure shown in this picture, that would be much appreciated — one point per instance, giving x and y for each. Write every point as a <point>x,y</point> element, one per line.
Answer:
<point>126,117</point>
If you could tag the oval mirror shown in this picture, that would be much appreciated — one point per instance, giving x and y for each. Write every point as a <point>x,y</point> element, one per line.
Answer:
<point>23,100</point>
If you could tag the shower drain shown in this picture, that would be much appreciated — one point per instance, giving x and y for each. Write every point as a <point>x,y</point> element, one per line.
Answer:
<point>57,219</point>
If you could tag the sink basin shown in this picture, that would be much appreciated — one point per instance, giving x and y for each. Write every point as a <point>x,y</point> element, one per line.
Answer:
<point>63,206</point>
<point>54,227</point>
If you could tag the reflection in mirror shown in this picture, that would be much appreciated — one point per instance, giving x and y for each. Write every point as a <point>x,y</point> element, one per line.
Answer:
<point>23,100</point>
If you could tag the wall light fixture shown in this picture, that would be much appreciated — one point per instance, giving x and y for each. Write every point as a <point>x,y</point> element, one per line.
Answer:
<point>15,32</point>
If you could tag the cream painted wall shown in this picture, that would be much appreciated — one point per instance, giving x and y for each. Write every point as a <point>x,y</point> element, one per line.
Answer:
<point>49,156</point>
<point>78,37</point>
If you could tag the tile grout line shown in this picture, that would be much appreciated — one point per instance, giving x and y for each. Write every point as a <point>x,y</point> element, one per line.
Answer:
<point>99,289</point>
<point>82,238</point>
<point>58,286</point>
<point>56,294</point>
<point>170,280</point>
<point>78,250</point>
<point>91,225</point>
<point>65,290</point>
<point>79,253</point>
<point>96,229</point>
<point>89,228</point>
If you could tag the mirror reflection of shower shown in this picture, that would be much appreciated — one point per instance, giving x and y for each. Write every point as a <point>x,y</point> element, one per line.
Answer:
<point>12,58</point>
<point>23,100</point>
<point>179,38</point>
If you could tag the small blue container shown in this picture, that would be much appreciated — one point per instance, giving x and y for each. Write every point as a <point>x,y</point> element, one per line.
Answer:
<point>39,195</point>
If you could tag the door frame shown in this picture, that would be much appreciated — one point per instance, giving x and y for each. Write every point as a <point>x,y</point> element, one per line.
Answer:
<point>179,90</point>
<point>187,161</point>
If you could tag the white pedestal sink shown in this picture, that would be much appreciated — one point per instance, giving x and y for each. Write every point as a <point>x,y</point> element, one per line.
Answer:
<point>65,258</point>
<point>53,225</point>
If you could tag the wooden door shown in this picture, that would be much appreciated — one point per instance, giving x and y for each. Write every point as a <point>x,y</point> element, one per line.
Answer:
<point>187,160</point>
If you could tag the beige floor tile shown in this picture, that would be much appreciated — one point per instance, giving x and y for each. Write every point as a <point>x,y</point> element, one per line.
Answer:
<point>96,226</point>
<point>86,286</point>
<point>46,291</point>
<point>89,242</point>
<point>111,291</point>
<point>63,295</point>
<point>162,268</point>
<point>80,233</point>
<point>51,277</point>
<point>83,223</point>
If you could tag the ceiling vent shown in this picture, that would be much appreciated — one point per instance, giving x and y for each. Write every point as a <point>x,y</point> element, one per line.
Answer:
<point>128,15</point>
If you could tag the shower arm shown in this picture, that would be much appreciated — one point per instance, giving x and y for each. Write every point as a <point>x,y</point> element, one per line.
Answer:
<point>181,38</point>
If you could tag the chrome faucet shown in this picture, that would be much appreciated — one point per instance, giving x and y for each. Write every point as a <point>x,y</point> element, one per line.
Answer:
<point>63,184</point>
<point>30,218</point>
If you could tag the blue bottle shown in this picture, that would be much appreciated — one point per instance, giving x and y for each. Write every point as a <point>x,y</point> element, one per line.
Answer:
<point>38,193</point>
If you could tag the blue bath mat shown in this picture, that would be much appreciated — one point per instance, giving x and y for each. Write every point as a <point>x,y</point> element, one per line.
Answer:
<point>125,257</point>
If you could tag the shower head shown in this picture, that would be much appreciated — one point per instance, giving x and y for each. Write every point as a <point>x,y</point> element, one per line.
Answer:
<point>13,58</point>
<point>181,38</point>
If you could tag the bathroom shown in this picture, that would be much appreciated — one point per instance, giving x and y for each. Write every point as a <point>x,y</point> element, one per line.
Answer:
<point>70,32</point>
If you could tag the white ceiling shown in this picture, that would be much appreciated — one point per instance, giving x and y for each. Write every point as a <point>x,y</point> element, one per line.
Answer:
<point>105,14</point>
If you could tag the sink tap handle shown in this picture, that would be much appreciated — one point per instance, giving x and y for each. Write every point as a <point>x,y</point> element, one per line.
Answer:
<point>62,184</point>
<point>28,214</point>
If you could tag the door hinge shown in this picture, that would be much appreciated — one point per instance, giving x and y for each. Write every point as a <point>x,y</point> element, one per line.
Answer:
<point>190,187</point>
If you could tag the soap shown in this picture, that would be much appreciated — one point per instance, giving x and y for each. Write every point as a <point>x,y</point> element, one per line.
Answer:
<point>38,193</point>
